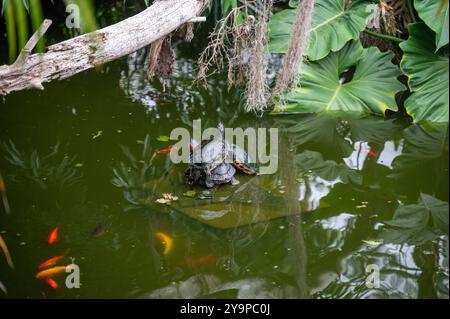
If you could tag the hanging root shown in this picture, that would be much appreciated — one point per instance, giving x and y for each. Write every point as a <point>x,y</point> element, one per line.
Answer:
<point>257,91</point>
<point>161,60</point>
<point>297,45</point>
<point>215,53</point>
<point>189,35</point>
<point>227,44</point>
<point>391,18</point>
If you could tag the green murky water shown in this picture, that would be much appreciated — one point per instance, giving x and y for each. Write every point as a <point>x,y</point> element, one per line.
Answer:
<point>79,154</point>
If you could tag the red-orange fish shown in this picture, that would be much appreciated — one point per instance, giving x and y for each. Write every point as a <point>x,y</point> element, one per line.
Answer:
<point>53,237</point>
<point>372,154</point>
<point>50,272</point>
<point>167,150</point>
<point>51,283</point>
<point>51,261</point>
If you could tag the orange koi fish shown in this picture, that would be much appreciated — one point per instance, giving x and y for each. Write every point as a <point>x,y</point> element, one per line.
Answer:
<point>6,252</point>
<point>53,237</point>
<point>4,197</point>
<point>51,261</point>
<point>51,283</point>
<point>167,150</point>
<point>167,242</point>
<point>50,272</point>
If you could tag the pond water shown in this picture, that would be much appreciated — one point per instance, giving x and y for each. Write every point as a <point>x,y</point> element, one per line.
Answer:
<point>79,155</point>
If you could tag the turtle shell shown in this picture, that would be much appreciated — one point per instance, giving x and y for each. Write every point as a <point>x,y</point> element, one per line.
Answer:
<point>243,162</point>
<point>223,173</point>
<point>212,152</point>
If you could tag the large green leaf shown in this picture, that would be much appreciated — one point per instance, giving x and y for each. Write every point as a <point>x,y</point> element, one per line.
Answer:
<point>333,25</point>
<point>324,88</point>
<point>329,170</point>
<point>418,223</point>
<point>424,146</point>
<point>428,75</point>
<point>435,14</point>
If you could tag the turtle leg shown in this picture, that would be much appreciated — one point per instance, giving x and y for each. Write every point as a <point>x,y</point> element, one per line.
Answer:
<point>234,181</point>
<point>209,183</point>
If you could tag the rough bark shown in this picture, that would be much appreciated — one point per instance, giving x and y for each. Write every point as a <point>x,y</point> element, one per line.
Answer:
<point>65,59</point>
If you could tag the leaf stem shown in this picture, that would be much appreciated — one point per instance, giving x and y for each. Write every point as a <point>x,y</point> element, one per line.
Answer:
<point>411,10</point>
<point>384,36</point>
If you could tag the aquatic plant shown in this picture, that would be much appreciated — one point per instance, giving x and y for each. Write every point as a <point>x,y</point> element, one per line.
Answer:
<point>334,46</point>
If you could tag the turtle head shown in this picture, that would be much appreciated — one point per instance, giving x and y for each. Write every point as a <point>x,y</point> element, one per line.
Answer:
<point>221,129</point>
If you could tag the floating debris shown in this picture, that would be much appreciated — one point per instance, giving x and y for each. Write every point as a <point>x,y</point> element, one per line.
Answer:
<point>167,198</point>
<point>98,231</point>
<point>163,138</point>
<point>372,242</point>
<point>190,194</point>
<point>205,195</point>
<point>97,135</point>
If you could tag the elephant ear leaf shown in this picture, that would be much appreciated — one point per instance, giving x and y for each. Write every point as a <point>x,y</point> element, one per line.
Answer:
<point>435,14</point>
<point>334,23</point>
<point>351,80</point>
<point>427,73</point>
<point>418,223</point>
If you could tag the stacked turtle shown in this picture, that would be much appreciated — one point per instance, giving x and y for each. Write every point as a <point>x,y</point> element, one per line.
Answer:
<point>214,161</point>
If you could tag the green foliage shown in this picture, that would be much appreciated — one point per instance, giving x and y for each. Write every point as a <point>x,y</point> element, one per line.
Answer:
<point>333,25</point>
<point>323,86</point>
<point>418,223</point>
<point>18,14</point>
<point>329,170</point>
<point>373,87</point>
<point>435,15</point>
<point>427,73</point>
<point>424,143</point>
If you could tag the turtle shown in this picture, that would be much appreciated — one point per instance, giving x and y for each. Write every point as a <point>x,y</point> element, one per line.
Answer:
<point>216,161</point>
<point>242,161</point>
<point>222,174</point>
<point>212,153</point>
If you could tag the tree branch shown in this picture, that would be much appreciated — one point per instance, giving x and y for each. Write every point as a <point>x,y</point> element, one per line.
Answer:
<point>65,59</point>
